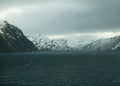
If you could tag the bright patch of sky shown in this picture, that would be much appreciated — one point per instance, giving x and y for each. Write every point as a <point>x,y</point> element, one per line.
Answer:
<point>9,12</point>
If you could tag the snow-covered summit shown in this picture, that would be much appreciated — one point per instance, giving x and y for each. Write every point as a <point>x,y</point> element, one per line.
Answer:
<point>2,26</point>
<point>10,30</point>
<point>13,39</point>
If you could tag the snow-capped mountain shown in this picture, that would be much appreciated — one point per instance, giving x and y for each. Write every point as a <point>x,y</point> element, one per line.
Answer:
<point>105,44</point>
<point>12,39</point>
<point>43,43</point>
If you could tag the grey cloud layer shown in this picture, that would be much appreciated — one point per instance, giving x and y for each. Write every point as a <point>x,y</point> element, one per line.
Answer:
<point>67,16</point>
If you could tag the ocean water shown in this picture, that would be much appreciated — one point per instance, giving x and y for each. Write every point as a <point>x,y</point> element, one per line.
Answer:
<point>60,69</point>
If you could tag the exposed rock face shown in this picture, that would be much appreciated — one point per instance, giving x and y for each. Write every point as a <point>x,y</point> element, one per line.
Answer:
<point>12,39</point>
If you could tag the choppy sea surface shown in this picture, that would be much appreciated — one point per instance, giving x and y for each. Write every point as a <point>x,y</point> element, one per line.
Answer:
<point>60,69</point>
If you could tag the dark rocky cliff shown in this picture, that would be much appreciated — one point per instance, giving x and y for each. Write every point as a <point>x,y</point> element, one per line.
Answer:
<point>12,39</point>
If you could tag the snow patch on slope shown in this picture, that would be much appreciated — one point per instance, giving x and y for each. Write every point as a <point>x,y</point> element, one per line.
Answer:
<point>44,43</point>
<point>105,44</point>
<point>2,25</point>
<point>108,44</point>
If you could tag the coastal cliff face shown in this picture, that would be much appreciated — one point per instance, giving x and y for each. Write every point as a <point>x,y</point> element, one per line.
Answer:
<point>12,39</point>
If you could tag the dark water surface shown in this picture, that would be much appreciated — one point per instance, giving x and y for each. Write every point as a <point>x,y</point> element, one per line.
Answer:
<point>60,69</point>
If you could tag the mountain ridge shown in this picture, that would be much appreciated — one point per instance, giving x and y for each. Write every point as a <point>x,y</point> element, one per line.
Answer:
<point>104,44</point>
<point>13,39</point>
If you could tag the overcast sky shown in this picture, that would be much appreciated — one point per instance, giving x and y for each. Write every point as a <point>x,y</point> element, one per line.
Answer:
<point>62,16</point>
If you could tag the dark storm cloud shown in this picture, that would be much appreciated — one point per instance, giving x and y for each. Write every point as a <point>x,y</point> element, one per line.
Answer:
<point>66,16</point>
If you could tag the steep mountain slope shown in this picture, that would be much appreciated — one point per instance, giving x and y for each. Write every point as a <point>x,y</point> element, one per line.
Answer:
<point>45,44</point>
<point>12,39</point>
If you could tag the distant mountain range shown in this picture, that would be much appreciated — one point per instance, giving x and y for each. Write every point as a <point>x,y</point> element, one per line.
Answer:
<point>12,39</point>
<point>106,44</point>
